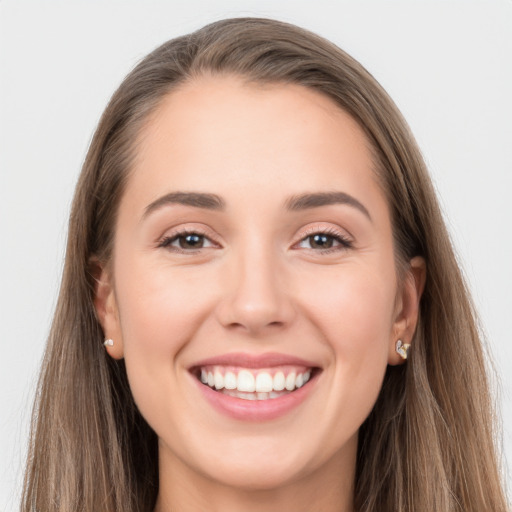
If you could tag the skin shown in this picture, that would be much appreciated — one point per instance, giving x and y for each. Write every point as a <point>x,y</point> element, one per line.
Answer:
<point>259,284</point>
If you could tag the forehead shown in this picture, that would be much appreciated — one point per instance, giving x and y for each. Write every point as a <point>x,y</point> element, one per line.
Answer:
<point>217,132</point>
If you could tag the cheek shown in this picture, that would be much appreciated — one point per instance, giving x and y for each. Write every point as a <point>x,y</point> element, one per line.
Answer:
<point>353,307</point>
<point>159,313</point>
<point>156,313</point>
<point>354,313</point>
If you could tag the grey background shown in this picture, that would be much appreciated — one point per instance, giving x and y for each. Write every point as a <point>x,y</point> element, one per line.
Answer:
<point>447,64</point>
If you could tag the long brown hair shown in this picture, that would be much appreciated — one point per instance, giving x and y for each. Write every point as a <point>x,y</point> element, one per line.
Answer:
<point>428,444</point>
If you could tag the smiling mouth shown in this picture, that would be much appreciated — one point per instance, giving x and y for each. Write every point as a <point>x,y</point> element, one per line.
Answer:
<point>254,384</point>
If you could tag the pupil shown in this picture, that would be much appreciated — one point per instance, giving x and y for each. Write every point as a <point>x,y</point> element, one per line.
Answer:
<point>321,241</point>
<point>191,241</point>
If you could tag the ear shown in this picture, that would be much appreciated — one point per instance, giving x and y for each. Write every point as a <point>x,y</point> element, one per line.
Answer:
<point>407,307</point>
<point>106,308</point>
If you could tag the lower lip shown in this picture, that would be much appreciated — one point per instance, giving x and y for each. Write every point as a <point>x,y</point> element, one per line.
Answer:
<point>256,410</point>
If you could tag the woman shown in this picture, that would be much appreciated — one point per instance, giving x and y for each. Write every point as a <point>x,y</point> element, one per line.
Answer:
<point>260,306</point>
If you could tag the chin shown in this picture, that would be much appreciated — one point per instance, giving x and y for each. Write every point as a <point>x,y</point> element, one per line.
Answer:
<point>258,466</point>
<point>250,478</point>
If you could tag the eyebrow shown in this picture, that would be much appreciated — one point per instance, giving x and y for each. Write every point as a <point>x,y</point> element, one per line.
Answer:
<point>195,199</point>
<point>315,200</point>
<point>295,203</point>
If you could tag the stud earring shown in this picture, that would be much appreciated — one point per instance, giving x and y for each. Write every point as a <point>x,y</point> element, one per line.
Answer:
<point>402,348</point>
<point>108,343</point>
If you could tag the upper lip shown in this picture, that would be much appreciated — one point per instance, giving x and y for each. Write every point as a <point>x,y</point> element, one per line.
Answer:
<point>246,360</point>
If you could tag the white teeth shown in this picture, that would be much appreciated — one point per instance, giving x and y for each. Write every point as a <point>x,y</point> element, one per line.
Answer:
<point>264,382</point>
<point>246,381</point>
<point>259,385</point>
<point>290,382</point>
<point>218,380</point>
<point>279,381</point>
<point>230,380</point>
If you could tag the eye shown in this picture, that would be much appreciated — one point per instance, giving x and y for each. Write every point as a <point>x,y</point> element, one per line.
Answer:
<point>325,241</point>
<point>186,241</point>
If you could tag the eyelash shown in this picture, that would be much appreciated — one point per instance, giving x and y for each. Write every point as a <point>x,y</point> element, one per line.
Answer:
<point>168,240</point>
<point>341,239</point>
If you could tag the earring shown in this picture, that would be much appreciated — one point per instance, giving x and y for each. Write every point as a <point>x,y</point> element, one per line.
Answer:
<point>402,348</point>
<point>108,343</point>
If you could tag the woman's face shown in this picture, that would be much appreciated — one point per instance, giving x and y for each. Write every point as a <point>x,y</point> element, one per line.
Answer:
<point>254,249</point>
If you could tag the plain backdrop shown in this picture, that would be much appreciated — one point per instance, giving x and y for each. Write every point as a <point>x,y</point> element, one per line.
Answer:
<point>446,64</point>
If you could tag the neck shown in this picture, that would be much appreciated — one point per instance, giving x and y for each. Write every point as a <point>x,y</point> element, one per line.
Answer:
<point>329,488</point>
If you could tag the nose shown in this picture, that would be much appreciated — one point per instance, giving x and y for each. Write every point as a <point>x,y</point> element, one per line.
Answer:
<point>257,298</point>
